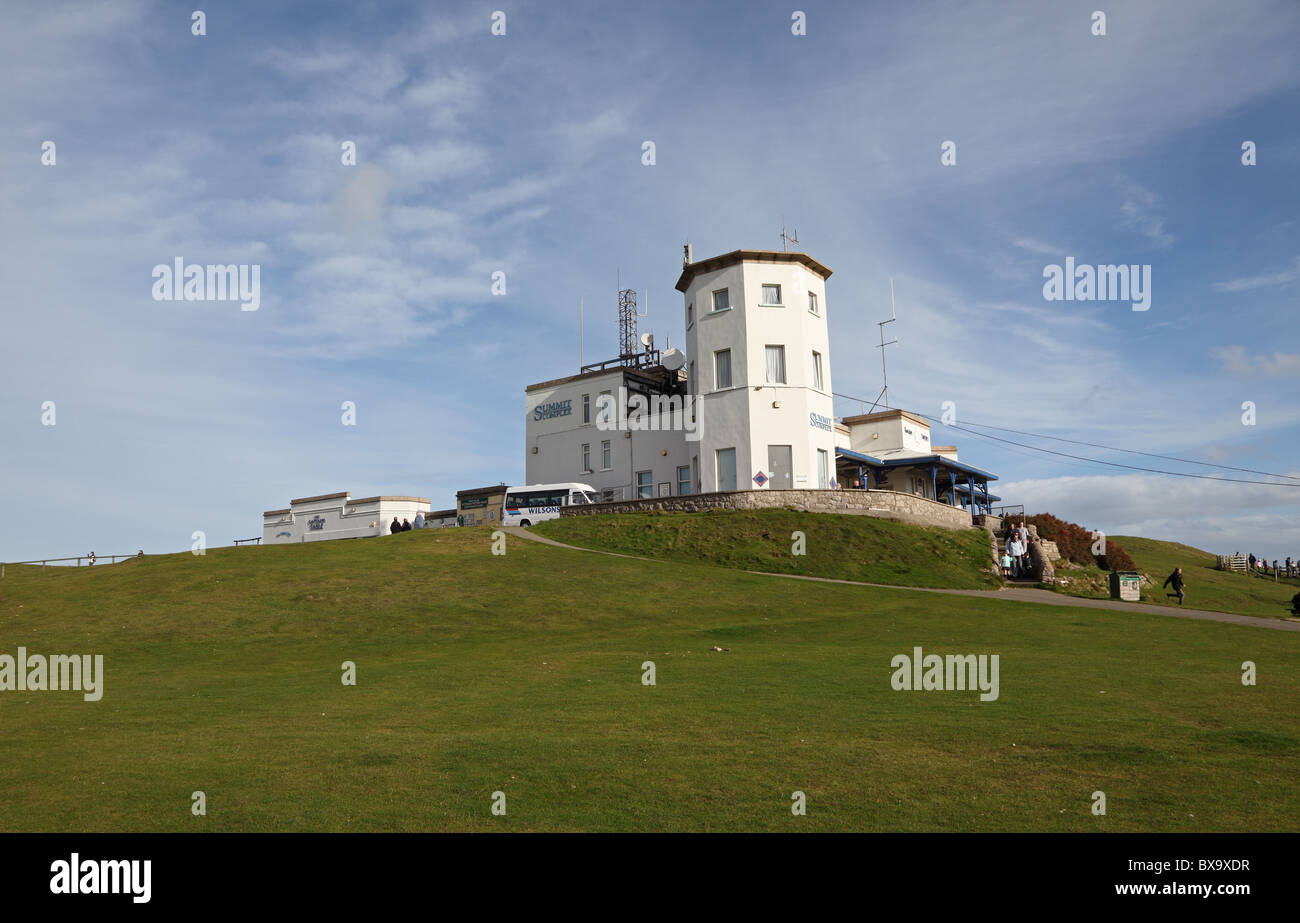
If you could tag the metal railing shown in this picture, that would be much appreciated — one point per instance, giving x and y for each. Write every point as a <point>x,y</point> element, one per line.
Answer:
<point>1002,512</point>
<point>112,559</point>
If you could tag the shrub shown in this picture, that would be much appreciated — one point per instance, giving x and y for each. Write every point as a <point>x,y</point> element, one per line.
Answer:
<point>1075,543</point>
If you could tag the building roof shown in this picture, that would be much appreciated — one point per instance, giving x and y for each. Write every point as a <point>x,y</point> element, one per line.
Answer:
<point>440,514</point>
<point>909,460</point>
<point>857,456</point>
<point>941,462</point>
<point>395,499</point>
<point>479,491</point>
<point>944,448</point>
<point>568,378</point>
<point>886,415</point>
<point>320,497</point>
<point>691,270</point>
<point>276,512</point>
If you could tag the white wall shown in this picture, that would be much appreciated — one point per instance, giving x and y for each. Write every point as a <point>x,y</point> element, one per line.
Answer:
<point>741,416</point>
<point>338,518</point>
<point>559,440</point>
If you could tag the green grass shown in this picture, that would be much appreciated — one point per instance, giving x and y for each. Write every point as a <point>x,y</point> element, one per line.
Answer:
<point>521,673</point>
<point>1205,587</point>
<point>843,547</point>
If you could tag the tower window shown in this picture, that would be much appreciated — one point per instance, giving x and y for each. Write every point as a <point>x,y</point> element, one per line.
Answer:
<point>776,365</point>
<point>722,369</point>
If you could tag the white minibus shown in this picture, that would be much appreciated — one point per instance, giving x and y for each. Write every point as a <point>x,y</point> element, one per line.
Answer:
<point>539,502</point>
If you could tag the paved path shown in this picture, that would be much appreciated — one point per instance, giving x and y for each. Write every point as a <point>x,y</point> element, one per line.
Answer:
<point>1017,594</point>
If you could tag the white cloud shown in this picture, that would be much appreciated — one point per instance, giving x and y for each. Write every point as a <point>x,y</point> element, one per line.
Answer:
<point>1141,213</point>
<point>1236,360</point>
<point>1034,246</point>
<point>1268,280</point>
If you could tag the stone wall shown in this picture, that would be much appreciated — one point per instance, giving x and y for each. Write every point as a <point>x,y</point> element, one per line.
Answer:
<point>884,504</point>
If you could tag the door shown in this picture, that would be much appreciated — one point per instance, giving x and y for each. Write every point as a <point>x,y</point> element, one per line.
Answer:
<point>726,469</point>
<point>779,467</point>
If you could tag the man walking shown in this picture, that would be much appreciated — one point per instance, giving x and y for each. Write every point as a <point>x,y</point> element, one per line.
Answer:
<point>1176,578</point>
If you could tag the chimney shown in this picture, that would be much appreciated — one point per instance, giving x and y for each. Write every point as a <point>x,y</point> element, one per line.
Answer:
<point>686,256</point>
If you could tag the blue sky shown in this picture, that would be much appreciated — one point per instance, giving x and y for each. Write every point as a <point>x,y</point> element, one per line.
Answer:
<point>522,153</point>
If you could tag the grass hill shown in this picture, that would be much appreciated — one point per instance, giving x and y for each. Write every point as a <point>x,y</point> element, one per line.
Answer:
<point>843,547</point>
<point>1206,588</point>
<point>522,673</point>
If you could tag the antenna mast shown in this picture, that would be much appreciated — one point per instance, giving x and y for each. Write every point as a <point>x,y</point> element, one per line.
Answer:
<point>791,238</point>
<point>627,342</point>
<point>884,372</point>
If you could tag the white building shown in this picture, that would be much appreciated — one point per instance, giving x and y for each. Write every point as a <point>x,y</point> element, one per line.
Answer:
<point>573,434</point>
<point>758,363</point>
<point>330,516</point>
<point>748,407</point>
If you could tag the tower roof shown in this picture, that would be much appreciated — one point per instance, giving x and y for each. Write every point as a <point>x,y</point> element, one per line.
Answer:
<point>747,256</point>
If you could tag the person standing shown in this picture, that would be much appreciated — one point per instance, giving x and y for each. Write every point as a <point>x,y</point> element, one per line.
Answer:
<point>406,525</point>
<point>395,527</point>
<point>419,519</point>
<point>1022,533</point>
<point>1013,550</point>
<point>92,558</point>
<point>1176,578</point>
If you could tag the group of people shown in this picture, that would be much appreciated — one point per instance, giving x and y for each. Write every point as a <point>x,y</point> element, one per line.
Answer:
<point>1287,568</point>
<point>1015,557</point>
<point>406,525</point>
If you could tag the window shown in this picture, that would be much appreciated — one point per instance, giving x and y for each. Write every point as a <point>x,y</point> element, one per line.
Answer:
<point>606,462</point>
<point>606,407</point>
<point>812,302</point>
<point>771,294</point>
<point>645,489</point>
<point>776,365</point>
<point>577,498</point>
<point>690,378</point>
<point>722,369</point>
<point>586,408</point>
<point>726,469</point>
<point>817,370</point>
<point>683,479</point>
<point>586,457</point>
<point>823,469</point>
<point>690,314</point>
<point>721,300</point>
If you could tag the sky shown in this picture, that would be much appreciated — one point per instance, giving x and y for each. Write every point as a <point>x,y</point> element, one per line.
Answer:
<point>128,422</point>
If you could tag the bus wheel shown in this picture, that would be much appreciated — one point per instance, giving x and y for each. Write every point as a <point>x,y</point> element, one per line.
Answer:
<point>525,523</point>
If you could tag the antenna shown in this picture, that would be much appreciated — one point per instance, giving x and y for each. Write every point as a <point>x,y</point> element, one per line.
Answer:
<point>791,238</point>
<point>884,373</point>
<point>580,331</point>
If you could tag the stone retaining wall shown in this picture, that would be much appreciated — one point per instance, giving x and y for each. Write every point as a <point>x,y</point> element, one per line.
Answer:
<point>884,504</point>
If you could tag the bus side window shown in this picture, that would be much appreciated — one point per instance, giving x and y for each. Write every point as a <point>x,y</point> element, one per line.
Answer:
<point>576,498</point>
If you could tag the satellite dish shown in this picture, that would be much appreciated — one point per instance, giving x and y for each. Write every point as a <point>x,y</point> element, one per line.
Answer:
<point>673,359</point>
<point>648,340</point>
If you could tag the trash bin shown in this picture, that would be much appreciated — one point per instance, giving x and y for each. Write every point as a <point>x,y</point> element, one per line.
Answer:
<point>1125,584</point>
